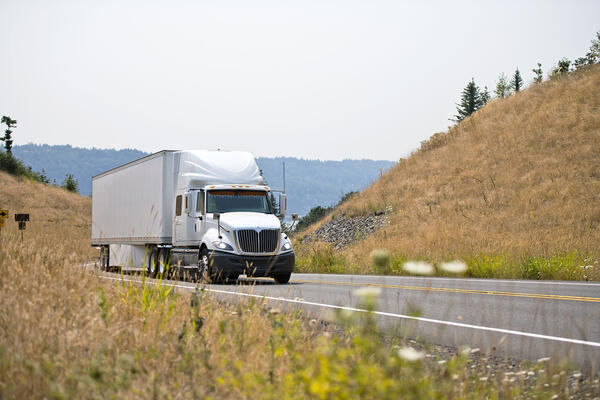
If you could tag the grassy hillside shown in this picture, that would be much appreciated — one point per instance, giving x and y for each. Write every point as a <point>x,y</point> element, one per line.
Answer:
<point>61,215</point>
<point>517,180</point>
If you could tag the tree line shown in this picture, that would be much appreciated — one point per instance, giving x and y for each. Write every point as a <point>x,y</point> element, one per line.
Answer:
<point>14,166</point>
<point>473,97</point>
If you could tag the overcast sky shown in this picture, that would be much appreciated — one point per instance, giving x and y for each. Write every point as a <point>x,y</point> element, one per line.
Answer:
<point>313,79</point>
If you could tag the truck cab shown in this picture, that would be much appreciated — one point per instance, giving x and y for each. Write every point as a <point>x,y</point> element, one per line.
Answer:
<point>236,230</point>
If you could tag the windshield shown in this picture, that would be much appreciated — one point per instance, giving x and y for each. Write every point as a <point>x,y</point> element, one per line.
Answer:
<point>222,201</point>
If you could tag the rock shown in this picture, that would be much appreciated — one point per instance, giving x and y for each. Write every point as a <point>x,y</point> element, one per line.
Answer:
<point>343,231</point>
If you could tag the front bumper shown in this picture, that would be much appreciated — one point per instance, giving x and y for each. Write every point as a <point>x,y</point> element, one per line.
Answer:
<point>228,264</point>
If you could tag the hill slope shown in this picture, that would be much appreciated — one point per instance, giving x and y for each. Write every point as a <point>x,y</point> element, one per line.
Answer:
<point>309,182</point>
<point>520,177</point>
<point>55,215</point>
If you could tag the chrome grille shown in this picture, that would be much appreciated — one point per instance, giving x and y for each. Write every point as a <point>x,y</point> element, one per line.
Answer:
<point>252,241</point>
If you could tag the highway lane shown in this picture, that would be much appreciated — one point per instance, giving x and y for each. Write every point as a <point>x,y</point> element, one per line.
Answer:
<point>522,319</point>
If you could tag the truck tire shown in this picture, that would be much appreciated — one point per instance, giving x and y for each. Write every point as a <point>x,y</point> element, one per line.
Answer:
<point>206,271</point>
<point>162,263</point>
<point>104,258</point>
<point>283,278</point>
<point>204,267</point>
<point>152,262</point>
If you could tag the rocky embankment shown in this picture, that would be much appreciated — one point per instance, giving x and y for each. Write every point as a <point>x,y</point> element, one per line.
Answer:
<point>343,231</point>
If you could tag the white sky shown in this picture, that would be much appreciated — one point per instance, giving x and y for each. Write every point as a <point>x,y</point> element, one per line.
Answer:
<point>314,79</point>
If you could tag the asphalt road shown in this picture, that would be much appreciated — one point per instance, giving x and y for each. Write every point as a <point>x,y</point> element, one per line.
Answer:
<point>520,319</point>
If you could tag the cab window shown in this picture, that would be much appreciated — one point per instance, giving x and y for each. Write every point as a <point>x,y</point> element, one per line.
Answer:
<point>178,206</point>
<point>200,202</point>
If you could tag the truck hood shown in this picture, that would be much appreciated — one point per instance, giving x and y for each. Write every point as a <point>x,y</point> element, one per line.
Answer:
<point>249,220</point>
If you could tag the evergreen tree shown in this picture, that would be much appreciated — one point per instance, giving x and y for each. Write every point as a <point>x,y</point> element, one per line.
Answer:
<point>561,69</point>
<point>10,123</point>
<point>539,75</point>
<point>470,101</point>
<point>502,87</point>
<point>70,184</point>
<point>594,53</point>
<point>485,95</point>
<point>517,82</point>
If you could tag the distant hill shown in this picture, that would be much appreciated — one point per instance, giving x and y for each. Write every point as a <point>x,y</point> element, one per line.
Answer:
<point>308,182</point>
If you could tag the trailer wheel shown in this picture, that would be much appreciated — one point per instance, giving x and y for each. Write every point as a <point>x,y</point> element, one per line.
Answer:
<point>162,263</point>
<point>104,258</point>
<point>152,262</point>
<point>282,279</point>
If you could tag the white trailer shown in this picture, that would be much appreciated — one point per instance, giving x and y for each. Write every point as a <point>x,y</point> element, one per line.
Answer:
<point>205,212</point>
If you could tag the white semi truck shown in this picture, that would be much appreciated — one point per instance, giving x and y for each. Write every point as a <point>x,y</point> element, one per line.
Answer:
<point>207,213</point>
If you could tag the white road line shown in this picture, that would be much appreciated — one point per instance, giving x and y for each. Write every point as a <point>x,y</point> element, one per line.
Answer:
<point>382,313</point>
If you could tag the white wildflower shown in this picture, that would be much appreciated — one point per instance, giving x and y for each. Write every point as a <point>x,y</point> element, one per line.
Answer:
<point>543,359</point>
<point>454,267</point>
<point>274,311</point>
<point>418,268</point>
<point>367,292</point>
<point>410,354</point>
<point>483,378</point>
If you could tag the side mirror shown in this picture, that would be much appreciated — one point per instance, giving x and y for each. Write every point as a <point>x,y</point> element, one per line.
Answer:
<point>294,217</point>
<point>282,204</point>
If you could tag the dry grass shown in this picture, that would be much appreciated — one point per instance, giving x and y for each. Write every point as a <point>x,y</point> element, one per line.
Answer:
<point>52,210</point>
<point>520,178</point>
<point>66,333</point>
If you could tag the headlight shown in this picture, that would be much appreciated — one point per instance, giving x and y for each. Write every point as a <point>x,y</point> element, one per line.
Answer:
<point>286,246</point>
<point>222,245</point>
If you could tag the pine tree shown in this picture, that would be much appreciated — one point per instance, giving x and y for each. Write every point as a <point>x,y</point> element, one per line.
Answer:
<point>517,82</point>
<point>10,123</point>
<point>539,74</point>
<point>594,53</point>
<point>485,95</point>
<point>502,87</point>
<point>70,184</point>
<point>561,69</point>
<point>470,101</point>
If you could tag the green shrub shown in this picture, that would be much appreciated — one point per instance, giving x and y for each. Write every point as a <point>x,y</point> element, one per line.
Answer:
<point>14,166</point>
<point>560,266</point>
<point>70,184</point>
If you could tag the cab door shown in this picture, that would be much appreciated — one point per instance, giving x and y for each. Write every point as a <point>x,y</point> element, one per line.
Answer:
<point>188,224</point>
<point>200,214</point>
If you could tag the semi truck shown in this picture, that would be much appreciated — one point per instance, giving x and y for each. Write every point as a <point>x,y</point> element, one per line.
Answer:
<point>200,213</point>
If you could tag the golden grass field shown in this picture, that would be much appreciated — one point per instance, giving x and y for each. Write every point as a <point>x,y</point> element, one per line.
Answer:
<point>519,180</point>
<point>65,333</point>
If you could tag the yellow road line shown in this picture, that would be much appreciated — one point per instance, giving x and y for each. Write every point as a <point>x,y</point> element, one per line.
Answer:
<point>453,290</point>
